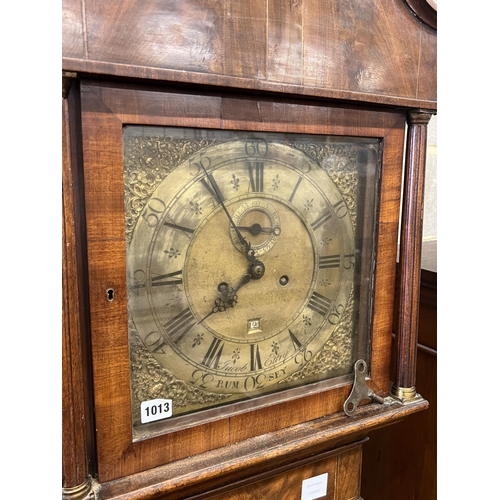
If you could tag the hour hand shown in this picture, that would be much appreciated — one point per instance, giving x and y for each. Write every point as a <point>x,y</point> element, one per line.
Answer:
<point>228,297</point>
<point>228,294</point>
<point>243,281</point>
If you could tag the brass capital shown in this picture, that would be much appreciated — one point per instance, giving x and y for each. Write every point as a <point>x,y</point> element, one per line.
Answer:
<point>84,491</point>
<point>405,395</point>
<point>419,117</point>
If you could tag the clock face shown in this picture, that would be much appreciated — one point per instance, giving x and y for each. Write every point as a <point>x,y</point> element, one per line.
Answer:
<point>248,263</point>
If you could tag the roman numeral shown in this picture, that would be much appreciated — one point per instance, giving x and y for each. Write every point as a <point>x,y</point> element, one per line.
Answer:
<point>319,303</point>
<point>295,189</point>
<point>212,357</point>
<point>178,327</point>
<point>321,220</point>
<point>256,172</point>
<point>255,362</point>
<point>166,279</point>
<point>329,261</point>
<point>212,187</point>
<point>180,228</point>
<point>340,209</point>
<point>296,344</point>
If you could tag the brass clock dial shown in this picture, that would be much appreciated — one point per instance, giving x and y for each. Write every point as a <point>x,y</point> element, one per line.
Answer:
<point>243,266</point>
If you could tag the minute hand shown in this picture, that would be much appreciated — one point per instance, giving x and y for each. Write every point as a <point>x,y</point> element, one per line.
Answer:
<point>250,257</point>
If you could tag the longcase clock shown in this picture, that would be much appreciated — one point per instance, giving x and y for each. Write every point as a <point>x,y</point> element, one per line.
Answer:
<point>241,262</point>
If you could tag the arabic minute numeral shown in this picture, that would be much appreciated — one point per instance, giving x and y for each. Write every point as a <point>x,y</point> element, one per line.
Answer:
<point>154,342</point>
<point>153,210</point>
<point>256,148</point>
<point>196,166</point>
<point>254,382</point>
<point>201,378</point>
<point>335,315</point>
<point>303,357</point>
<point>349,261</point>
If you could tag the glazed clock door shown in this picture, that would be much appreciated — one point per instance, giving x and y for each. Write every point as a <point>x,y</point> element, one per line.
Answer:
<point>241,256</point>
<point>246,262</point>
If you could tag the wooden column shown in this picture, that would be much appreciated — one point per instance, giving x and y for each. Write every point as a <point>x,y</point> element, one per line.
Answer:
<point>77,428</point>
<point>410,257</point>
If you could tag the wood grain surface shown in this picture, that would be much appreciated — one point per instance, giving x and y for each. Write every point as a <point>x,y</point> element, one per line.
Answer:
<point>400,461</point>
<point>104,109</point>
<point>358,50</point>
<point>255,457</point>
<point>343,479</point>
<point>318,66</point>
<point>411,251</point>
<point>77,415</point>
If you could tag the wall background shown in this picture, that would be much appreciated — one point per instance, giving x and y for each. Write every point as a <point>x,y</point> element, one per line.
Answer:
<point>430,193</point>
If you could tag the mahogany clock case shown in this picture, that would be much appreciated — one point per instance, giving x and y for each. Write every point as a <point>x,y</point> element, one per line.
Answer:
<point>106,110</point>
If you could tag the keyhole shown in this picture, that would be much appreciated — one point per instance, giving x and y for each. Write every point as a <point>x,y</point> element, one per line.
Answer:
<point>110,294</point>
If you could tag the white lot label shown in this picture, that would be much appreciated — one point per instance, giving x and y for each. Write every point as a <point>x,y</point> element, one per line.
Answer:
<point>314,487</point>
<point>155,409</point>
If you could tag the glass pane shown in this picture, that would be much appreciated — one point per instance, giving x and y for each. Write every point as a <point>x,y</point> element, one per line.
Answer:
<point>249,267</point>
